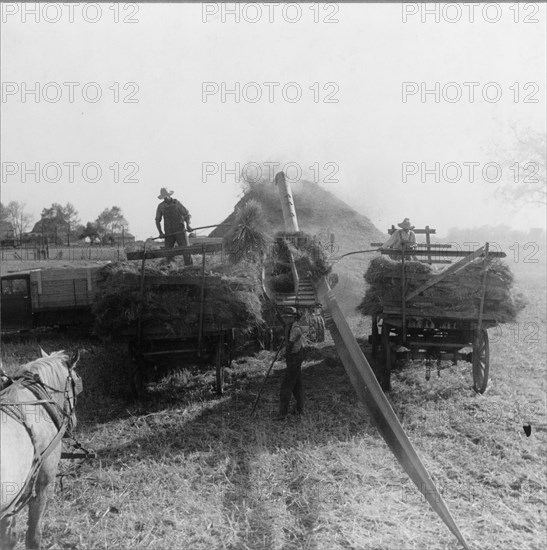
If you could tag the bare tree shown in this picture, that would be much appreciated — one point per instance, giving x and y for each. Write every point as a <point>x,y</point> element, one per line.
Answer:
<point>17,216</point>
<point>526,181</point>
<point>3,213</point>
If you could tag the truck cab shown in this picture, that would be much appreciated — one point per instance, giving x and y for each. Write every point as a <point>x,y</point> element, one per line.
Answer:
<point>15,302</point>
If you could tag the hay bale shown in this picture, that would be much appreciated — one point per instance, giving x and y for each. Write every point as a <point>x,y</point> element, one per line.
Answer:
<point>458,293</point>
<point>232,297</point>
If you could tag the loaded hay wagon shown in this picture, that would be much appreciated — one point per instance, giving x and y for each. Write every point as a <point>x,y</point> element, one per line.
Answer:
<point>421,313</point>
<point>170,315</point>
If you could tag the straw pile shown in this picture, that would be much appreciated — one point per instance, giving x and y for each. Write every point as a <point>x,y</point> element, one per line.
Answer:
<point>232,297</point>
<point>309,258</point>
<point>248,237</point>
<point>459,293</point>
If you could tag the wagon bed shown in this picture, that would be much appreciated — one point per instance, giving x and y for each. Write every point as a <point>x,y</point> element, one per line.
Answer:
<point>414,327</point>
<point>195,335</point>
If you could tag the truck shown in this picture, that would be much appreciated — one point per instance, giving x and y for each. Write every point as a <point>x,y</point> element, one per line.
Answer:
<point>56,297</point>
<point>47,297</point>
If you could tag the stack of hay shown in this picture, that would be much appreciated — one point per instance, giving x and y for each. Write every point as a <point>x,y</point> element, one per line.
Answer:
<point>232,297</point>
<point>459,293</point>
<point>248,238</point>
<point>309,258</point>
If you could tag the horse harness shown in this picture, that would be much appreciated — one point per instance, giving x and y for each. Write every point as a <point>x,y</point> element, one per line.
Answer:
<point>61,417</point>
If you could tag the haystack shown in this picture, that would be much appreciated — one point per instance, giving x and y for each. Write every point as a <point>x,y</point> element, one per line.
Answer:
<point>459,293</point>
<point>172,297</point>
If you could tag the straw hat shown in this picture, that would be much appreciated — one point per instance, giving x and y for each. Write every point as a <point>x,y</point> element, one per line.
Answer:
<point>405,224</point>
<point>164,192</point>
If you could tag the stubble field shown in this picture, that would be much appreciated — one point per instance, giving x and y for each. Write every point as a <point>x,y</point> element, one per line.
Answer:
<point>185,469</point>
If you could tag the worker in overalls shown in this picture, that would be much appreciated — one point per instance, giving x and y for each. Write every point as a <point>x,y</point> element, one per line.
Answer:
<point>294,355</point>
<point>176,222</point>
<point>400,238</point>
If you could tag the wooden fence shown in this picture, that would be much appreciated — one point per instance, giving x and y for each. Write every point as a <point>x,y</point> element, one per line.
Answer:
<point>66,253</point>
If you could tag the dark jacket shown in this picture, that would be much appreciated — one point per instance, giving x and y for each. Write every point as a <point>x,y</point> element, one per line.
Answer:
<point>174,216</point>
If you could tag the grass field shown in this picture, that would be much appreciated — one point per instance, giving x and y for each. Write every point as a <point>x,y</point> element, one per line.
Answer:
<point>185,469</point>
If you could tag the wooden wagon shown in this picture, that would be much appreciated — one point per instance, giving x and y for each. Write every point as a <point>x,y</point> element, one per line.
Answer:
<point>195,336</point>
<point>409,327</point>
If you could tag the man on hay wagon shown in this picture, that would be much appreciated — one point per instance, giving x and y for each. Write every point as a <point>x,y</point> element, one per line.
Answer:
<point>176,222</point>
<point>400,238</point>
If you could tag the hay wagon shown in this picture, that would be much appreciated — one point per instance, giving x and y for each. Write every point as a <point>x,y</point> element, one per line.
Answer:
<point>196,335</point>
<point>411,327</point>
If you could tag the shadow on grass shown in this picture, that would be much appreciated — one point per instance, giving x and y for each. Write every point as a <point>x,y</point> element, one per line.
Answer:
<point>183,417</point>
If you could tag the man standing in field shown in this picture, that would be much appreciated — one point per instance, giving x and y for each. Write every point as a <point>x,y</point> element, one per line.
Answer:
<point>294,355</point>
<point>176,222</point>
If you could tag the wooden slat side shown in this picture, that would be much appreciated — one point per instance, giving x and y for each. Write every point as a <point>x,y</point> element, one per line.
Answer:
<point>36,277</point>
<point>418,312</point>
<point>177,251</point>
<point>437,254</point>
<point>454,268</point>
<point>69,273</point>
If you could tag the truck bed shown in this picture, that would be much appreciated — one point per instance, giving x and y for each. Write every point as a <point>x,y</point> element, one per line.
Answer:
<point>63,288</point>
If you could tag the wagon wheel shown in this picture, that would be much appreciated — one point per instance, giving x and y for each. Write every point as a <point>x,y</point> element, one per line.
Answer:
<point>385,364</point>
<point>312,335</point>
<point>481,361</point>
<point>316,331</point>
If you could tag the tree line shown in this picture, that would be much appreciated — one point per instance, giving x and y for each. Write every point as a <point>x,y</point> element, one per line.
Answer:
<point>59,224</point>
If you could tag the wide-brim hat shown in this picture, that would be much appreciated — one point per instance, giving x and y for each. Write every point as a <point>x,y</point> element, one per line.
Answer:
<point>405,224</point>
<point>164,192</point>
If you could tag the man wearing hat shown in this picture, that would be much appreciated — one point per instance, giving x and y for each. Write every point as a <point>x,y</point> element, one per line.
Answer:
<point>294,355</point>
<point>402,237</point>
<point>176,222</point>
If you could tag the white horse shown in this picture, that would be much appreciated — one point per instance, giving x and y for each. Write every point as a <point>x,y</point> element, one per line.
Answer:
<point>36,410</point>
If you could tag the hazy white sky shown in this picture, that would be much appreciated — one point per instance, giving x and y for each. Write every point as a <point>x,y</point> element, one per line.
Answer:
<point>166,133</point>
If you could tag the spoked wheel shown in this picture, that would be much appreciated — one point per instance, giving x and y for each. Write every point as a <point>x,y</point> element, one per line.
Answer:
<point>481,361</point>
<point>316,331</point>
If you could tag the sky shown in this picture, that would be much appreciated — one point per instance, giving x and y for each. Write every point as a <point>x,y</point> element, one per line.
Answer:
<point>372,101</point>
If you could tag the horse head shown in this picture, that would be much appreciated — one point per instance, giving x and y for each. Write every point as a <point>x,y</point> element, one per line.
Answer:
<point>73,388</point>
